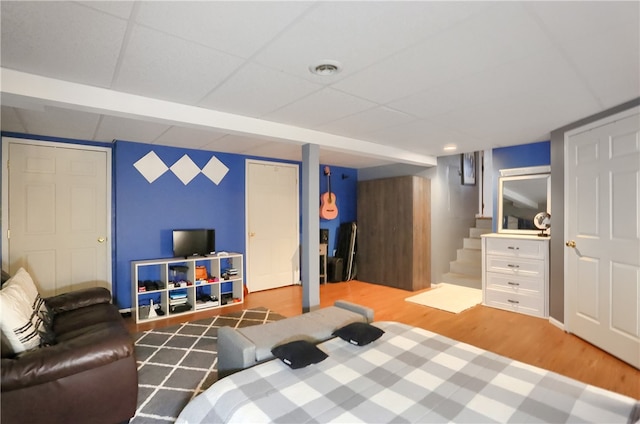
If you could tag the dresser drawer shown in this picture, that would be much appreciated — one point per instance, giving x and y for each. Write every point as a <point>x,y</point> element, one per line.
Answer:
<point>516,248</point>
<point>515,266</point>
<point>515,284</point>
<point>515,302</point>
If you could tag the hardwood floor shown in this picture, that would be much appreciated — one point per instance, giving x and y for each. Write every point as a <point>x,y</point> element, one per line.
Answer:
<point>527,339</point>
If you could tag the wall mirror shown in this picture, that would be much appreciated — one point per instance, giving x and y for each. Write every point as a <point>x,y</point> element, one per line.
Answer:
<point>522,194</point>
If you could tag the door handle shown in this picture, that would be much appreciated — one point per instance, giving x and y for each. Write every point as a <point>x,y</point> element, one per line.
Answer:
<point>571,244</point>
<point>101,239</point>
<point>252,234</point>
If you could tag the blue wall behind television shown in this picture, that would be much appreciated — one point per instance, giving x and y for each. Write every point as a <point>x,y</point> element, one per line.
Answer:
<point>146,213</point>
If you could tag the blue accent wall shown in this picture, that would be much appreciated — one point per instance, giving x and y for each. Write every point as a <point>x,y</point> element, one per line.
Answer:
<point>523,155</point>
<point>146,213</point>
<point>520,156</point>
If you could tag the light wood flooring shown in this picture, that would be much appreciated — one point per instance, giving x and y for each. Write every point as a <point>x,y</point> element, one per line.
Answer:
<point>527,339</point>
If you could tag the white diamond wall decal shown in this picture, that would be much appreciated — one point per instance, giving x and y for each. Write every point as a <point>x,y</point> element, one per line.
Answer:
<point>185,169</point>
<point>215,170</point>
<point>151,166</point>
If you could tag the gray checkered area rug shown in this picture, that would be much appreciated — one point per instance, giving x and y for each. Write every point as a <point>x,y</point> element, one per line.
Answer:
<point>177,363</point>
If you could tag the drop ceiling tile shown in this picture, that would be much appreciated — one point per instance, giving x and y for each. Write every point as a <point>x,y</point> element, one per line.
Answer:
<point>22,102</point>
<point>318,108</point>
<point>256,90</point>
<point>10,120</point>
<point>529,113</point>
<point>121,9</point>
<point>435,101</point>
<point>494,37</point>
<point>419,136</point>
<point>235,143</point>
<point>190,138</point>
<point>358,34</point>
<point>609,61</point>
<point>63,40</point>
<point>58,122</point>
<point>596,53</point>
<point>116,128</point>
<point>168,68</point>
<point>574,20</point>
<point>362,123</point>
<point>236,27</point>
<point>526,75</point>
<point>619,85</point>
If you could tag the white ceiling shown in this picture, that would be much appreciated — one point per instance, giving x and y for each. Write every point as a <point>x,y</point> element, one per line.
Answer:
<point>234,76</point>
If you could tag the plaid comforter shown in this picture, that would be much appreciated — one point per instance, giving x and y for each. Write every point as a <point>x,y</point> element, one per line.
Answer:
<point>408,375</point>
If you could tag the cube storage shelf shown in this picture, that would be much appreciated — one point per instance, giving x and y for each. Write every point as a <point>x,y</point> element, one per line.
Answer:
<point>165,288</point>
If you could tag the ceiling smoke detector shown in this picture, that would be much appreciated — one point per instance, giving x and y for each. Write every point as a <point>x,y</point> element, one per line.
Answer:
<point>326,68</point>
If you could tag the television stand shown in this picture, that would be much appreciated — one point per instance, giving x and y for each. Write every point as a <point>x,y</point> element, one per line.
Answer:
<point>157,282</point>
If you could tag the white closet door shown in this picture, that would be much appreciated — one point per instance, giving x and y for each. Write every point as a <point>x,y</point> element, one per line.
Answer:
<point>602,259</point>
<point>273,255</point>
<point>58,215</point>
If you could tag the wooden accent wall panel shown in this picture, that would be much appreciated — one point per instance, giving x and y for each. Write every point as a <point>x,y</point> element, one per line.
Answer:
<point>394,232</point>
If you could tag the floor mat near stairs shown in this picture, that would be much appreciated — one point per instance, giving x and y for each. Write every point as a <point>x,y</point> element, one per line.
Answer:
<point>448,297</point>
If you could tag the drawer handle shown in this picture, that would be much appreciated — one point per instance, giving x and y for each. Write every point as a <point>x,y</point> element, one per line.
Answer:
<point>513,301</point>
<point>511,283</point>
<point>513,248</point>
<point>513,266</point>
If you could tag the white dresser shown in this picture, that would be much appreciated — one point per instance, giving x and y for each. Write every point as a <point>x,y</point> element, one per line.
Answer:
<point>515,273</point>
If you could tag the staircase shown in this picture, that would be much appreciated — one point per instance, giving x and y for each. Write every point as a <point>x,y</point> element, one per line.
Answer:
<point>466,270</point>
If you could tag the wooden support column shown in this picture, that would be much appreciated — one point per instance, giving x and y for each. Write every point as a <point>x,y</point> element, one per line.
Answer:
<point>310,227</point>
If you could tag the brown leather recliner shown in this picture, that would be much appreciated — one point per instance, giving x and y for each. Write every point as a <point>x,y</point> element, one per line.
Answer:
<point>88,375</point>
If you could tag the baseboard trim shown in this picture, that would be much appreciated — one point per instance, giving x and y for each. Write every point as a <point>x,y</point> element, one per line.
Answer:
<point>557,323</point>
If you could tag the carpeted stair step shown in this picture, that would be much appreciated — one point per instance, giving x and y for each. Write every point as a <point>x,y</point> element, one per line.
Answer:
<point>484,223</point>
<point>469,255</point>
<point>472,243</point>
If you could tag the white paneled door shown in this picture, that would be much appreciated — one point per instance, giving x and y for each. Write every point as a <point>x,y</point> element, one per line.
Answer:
<point>273,225</point>
<point>58,211</point>
<point>602,258</point>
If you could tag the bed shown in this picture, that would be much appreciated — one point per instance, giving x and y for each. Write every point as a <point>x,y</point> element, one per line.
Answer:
<point>408,375</point>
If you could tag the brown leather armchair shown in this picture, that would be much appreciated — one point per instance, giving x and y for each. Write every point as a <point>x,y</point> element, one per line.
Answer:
<point>88,375</point>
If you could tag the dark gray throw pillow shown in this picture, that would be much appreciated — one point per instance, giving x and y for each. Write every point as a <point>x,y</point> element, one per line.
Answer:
<point>359,333</point>
<point>299,353</point>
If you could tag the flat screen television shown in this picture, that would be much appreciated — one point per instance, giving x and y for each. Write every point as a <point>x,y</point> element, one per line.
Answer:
<point>197,242</point>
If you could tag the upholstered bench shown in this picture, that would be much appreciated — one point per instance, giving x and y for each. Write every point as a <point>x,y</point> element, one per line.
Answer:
<point>240,348</point>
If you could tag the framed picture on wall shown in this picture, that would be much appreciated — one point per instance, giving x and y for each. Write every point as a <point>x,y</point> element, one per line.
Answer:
<point>468,168</point>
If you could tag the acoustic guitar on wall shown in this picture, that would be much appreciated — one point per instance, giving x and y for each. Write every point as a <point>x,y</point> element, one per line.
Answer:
<point>328,207</point>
